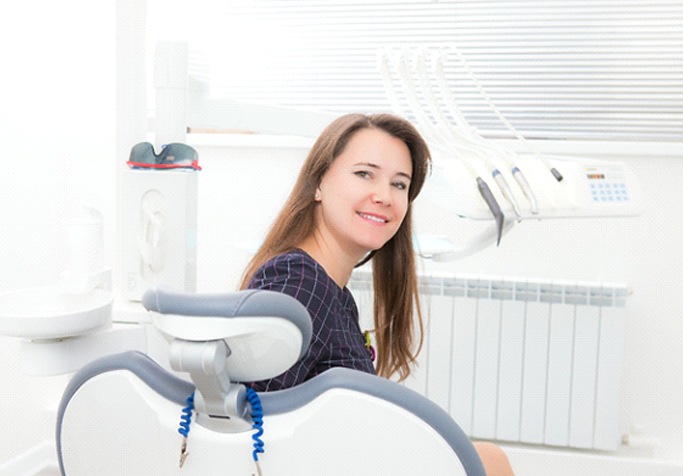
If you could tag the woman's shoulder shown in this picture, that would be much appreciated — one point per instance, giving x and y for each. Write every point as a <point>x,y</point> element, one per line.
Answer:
<point>295,265</point>
<point>296,273</point>
<point>291,261</point>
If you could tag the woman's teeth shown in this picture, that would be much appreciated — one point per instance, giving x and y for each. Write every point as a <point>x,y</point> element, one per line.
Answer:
<point>373,218</point>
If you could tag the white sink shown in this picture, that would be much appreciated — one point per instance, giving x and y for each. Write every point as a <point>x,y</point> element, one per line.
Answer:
<point>47,313</point>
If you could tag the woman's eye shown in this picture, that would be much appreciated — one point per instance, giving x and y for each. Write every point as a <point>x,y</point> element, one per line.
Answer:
<point>363,173</point>
<point>401,185</point>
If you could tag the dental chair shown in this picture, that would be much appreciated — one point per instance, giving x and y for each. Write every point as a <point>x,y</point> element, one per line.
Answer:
<point>125,414</point>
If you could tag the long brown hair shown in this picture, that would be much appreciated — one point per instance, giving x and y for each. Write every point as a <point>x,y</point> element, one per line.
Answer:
<point>394,276</point>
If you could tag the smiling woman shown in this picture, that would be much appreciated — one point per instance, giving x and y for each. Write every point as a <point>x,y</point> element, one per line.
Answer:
<point>351,204</point>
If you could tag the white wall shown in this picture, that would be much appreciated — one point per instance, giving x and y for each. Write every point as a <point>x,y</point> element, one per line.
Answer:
<point>57,129</point>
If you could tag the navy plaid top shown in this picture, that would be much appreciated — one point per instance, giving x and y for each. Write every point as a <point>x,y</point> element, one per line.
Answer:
<point>337,340</point>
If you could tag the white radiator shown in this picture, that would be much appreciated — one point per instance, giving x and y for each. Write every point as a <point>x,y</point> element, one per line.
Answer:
<point>521,360</point>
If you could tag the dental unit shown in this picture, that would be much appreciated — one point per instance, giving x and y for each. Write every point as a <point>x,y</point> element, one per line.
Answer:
<point>415,84</point>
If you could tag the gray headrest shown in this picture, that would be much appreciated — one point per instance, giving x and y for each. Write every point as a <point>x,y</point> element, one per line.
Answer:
<point>246,303</point>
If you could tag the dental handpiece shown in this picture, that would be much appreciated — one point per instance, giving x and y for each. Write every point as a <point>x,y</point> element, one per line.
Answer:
<point>507,192</point>
<point>524,185</point>
<point>492,203</point>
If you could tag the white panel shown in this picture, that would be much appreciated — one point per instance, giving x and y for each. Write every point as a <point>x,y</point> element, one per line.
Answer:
<point>535,372</point>
<point>361,288</point>
<point>607,436</point>
<point>462,373</point>
<point>159,245</point>
<point>584,376</point>
<point>511,370</point>
<point>486,369</point>
<point>439,344</point>
<point>559,374</point>
<point>418,376</point>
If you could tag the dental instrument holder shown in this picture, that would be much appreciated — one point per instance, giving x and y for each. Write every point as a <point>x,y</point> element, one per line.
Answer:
<point>409,83</point>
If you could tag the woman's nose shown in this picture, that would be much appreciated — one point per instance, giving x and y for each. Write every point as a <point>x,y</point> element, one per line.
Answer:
<point>382,195</point>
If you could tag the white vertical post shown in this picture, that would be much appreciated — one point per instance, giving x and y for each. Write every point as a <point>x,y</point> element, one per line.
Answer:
<point>171,79</point>
<point>131,103</point>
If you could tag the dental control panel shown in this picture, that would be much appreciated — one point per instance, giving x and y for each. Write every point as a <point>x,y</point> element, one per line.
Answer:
<point>607,184</point>
<point>607,189</point>
<point>589,188</point>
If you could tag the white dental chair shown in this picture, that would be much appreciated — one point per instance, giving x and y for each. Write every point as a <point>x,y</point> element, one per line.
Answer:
<point>120,415</point>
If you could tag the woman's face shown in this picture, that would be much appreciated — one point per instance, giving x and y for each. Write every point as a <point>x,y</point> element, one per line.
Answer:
<point>363,196</point>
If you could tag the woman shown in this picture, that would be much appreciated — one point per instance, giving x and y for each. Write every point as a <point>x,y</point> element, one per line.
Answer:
<point>352,204</point>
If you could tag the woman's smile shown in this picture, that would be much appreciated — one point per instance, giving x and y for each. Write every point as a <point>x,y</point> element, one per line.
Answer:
<point>373,217</point>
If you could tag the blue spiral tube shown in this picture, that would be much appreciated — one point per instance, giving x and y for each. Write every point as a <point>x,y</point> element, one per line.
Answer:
<point>186,416</point>
<point>257,418</point>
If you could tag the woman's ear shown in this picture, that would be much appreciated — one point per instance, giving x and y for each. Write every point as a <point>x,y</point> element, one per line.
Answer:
<point>318,195</point>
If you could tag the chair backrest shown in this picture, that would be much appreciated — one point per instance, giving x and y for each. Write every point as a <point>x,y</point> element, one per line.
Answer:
<point>119,415</point>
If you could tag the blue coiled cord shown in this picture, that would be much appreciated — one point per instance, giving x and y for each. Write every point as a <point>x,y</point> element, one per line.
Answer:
<point>186,416</point>
<point>257,418</point>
